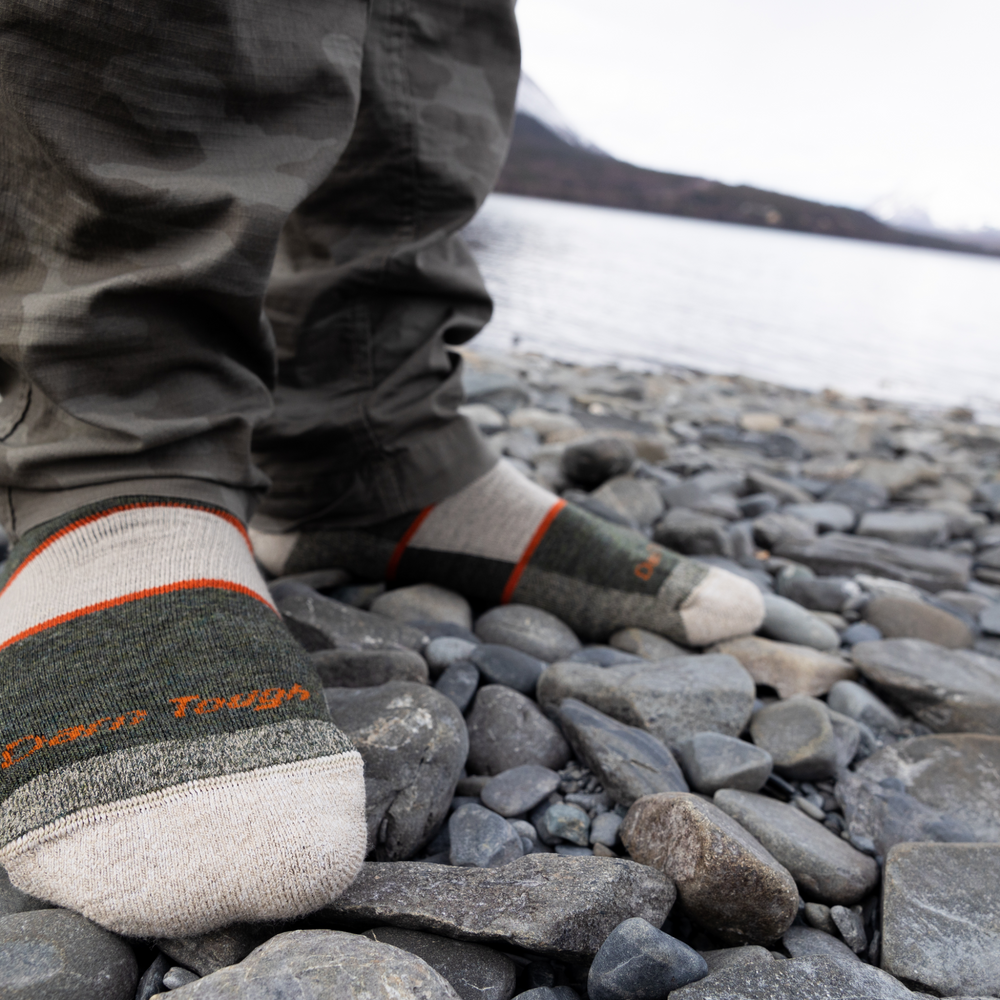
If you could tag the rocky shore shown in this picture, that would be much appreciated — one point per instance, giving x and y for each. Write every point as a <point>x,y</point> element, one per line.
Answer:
<point>809,812</point>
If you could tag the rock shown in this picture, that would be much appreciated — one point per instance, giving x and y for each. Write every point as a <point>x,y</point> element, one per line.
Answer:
<point>573,851</point>
<point>528,629</point>
<point>564,821</point>
<point>847,733</point>
<point>820,593</point>
<point>473,971</point>
<point>989,619</point>
<point>357,595</point>
<point>501,390</point>
<point>519,790</point>
<point>725,878</point>
<point>151,981</point>
<point>628,761</point>
<point>549,993</point>
<point>827,516</point>
<point>860,495</point>
<point>712,761</point>
<point>603,656</point>
<point>851,927</point>
<point>639,961</point>
<point>694,533</point>
<point>321,964</point>
<point>647,645</point>
<point>859,632</point>
<point>770,530</point>
<point>757,504</point>
<point>947,690</point>
<point>14,901</point>
<point>481,838</point>
<point>825,867</point>
<point>543,422</point>
<point>508,666</point>
<point>862,705</point>
<point>835,554</point>
<point>941,917</point>
<point>589,503</point>
<point>444,650</point>
<point>799,736</point>
<point>506,729</point>
<point>636,499</point>
<point>604,829</point>
<point>555,906</point>
<point>176,977</point>
<point>210,952</point>
<point>931,788</point>
<point>459,683</point>
<point>319,622</point>
<point>926,528</point>
<point>728,958</point>
<point>815,977</point>
<point>787,621</point>
<point>414,744</point>
<point>787,668</point>
<point>355,668</point>
<point>58,955</point>
<point>800,942</point>
<point>530,840</point>
<point>900,618</point>
<point>424,602</point>
<point>818,915</point>
<point>683,696</point>
<point>594,460</point>
<point>484,416</point>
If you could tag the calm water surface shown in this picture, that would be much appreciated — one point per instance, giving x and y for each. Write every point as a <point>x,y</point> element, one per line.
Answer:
<point>596,285</point>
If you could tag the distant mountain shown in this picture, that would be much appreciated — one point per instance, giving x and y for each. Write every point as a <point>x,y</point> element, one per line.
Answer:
<point>549,159</point>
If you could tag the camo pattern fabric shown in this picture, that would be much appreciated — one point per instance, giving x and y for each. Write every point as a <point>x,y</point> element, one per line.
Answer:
<point>152,154</point>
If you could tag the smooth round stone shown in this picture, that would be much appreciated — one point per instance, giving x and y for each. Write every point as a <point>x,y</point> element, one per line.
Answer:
<point>441,630</point>
<point>603,656</point>
<point>604,829</point>
<point>520,789</point>
<point>482,839</point>
<point>58,955</point>
<point>828,516</point>
<point>508,666</point>
<point>424,602</point>
<point>789,622</point>
<point>637,500</point>
<point>820,593</point>
<point>859,632</point>
<point>530,840</point>
<point>368,667</point>
<point>712,761</point>
<point>856,702</point>
<point>799,736</point>
<point>900,618</point>
<point>591,461</point>
<point>639,962</point>
<point>442,652</point>
<point>458,683</point>
<point>530,630</point>
<point>567,822</point>
<point>926,528</point>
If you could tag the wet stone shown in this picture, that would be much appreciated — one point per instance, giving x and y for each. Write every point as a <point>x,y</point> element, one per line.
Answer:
<point>899,618</point>
<point>424,602</point>
<point>481,838</point>
<point>646,645</point>
<point>531,630</point>
<point>789,622</point>
<point>459,683</point>
<point>445,650</point>
<point>565,821</point>
<point>519,790</point>
<point>592,461</point>
<point>355,668</point>
<point>507,666</point>
<point>799,736</point>
<point>712,761</point>
<point>788,668</point>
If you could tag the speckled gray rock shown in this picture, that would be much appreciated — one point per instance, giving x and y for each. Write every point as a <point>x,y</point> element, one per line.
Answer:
<point>851,926</point>
<point>445,650</point>
<point>591,461</point>
<point>636,499</point>
<point>941,916</point>
<point>798,735</point>
<point>528,629</point>
<point>322,965</point>
<point>726,879</point>
<point>474,971</point>
<point>926,528</point>
<point>506,729</point>
<point>481,838</point>
<point>563,907</point>
<point>355,668</point>
<point>712,761</point>
<point>14,901</point>
<point>824,516</point>
<point>789,622</point>
<point>800,942</point>
<point>414,744</point>
<point>857,702</point>
<point>672,701</point>
<point>424,602</point>
<point>520,789</point>
<point>948,690</point>
<point>508,666</point>
<point>730,958</point>
<point>459,682</point>
<point>57,955</point>
<point>825,867</point>
<point>646,644</point>
<point>639,962</point>
<point>901,618</point>
<point>628,761</point>
<point>788,668</point>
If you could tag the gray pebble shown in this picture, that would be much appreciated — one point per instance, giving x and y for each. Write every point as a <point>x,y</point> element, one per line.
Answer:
<point>572,851</point>
<point>802,941</point>
<point>508,666</point>
<point>175,977</point>
<point>789,622</point>
<point>459,682</point>
<point>519,789</point>
<point>818,915</point>
<point>712,761</point>
<point>851,927</point>
<point>528,629</point>
<point>604,829</point>
<point>799,736</point>
<point>567,822</point>
<point>859,632</point>
<point>442,652</point>
<point>591,461</point>
<point>603,656</point>
<point>355,668</point>
<point>424,602</point>
<point>529,837</point>
<point>482,839</point>
<point>859,703</point>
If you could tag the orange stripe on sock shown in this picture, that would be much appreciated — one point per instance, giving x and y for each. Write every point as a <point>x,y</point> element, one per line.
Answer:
<point>397,552</point>
<point>91,518</point>
<point>136,596</point>
<point>522,563</point>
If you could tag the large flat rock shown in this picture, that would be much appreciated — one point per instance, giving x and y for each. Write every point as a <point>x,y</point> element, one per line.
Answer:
<point>789,668</point>
<point>552,905</point>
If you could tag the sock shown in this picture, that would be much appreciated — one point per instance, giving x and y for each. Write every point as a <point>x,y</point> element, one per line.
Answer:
<point>503,539</point>
<point>167,764</point>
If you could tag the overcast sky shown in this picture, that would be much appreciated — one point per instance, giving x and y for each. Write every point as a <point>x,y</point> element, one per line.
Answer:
<point>850,102</point>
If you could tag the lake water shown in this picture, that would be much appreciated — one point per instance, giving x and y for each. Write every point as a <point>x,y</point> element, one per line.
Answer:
<point>597,285</point>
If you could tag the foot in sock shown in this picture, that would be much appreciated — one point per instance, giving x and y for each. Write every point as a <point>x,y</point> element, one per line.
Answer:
<point>167,765</point>
<point>504,539</point>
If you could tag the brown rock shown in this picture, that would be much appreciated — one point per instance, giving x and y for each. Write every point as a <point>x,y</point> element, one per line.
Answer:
<point>726,878</point>
<point>788,668</point>
<point>899,618</point>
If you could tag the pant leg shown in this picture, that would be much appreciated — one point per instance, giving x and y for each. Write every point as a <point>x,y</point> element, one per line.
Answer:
<point>150,152</point>
<point>372,284</point>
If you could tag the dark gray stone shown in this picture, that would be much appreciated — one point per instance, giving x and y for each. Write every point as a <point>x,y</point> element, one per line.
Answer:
<point>563,907</point>
<point>474,971</point>
<point>799,736</point>
<point>604,829</point>
<point>424,602</point>
<point>639,500</point>
<point>825,867</point>
<point>549,993</point>
<point>926,528</point>
<point>414,744</point>
<point>520,789</point>
<point>771,530</point>
<point>481,838</point>
<point>731,958</point>
<point>573,851</point>
<point>941,917</point>
<point>712,761</point>
<point>789,622</point>
<point>639,962</point>
<point>57,955</point>
<point>355,668</point>
<point>14,901</point>
<point>501,390</point>
<point>644,644</point>
<point>604,656</point>
<point>321,965</point>
<point>818,915</point>
<point>628,761</point>
<point>825,516</point>
<point>948,690</point>
<point>800,942</point>
<point>564,821</point>
<point>902,618</point>
<point>175,977</point>
<point>459,682</point>
<point>851,927</point>
<point>508,666</point>
<point>210,952</point>
<point>444,650</point>
<point>819,593</point>
<point>591,461</point>
<point>506,729</point>
<point>758,504</point>
<point>528,629</point>
<point>859,494</point>
<point>989,619</point>
<point>151,981</point>
<point>694,533</point>
<point>357,595</point>
<point>847,733</point>
<point>857,702</point>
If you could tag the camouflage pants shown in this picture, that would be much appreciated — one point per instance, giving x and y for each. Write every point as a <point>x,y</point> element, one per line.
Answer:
<point>228,250</point>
